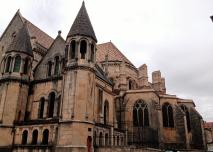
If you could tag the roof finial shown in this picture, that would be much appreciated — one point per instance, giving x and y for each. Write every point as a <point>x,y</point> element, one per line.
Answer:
<point>59,32</point>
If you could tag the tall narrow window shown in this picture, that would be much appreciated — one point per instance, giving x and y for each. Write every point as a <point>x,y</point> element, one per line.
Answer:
<point>17,64</point>
<point>35,137</point>
<point>72,49</point>
<point>92,53</point>
<point>100,100</point>
<point>83,49</point>
<point>118,141</point>
<point>130,84</point>
<point>51,104</point>
<point>57,65</point>
<point>49,69</point>
<point>167,111</point>
<point>140,114</point>
<point>94,139</point>
<point>106,112</point>
<point>41,108</point>
<point>66,52</point>
<point>101,139</point>
<point>185,110</point>
<point>24,137</point>
<point>106,139</point>
<point>26,66</point>
<point>9,59</point>
<point>45,137</point>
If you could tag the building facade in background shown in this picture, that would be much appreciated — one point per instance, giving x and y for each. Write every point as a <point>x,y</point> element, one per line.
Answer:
<point>77,95</point>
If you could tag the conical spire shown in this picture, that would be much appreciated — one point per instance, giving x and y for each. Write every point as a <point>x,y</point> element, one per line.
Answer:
<point>21,41</point>
<point>82,25</point>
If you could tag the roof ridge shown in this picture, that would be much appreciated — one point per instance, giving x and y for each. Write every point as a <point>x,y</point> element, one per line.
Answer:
<point>37,27</point>
<point>125,58</point>
<point>22,41</point>
<point>82,25</point>
<point>17,13</point>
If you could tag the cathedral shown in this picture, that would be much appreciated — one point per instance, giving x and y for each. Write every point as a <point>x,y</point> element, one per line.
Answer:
<point>75,95</point>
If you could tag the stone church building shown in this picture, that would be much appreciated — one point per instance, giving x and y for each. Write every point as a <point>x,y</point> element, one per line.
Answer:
<point>76,95</point>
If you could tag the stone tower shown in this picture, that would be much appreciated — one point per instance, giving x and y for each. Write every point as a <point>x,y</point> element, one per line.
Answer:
<point>14,81</point>
<point>79,84</point>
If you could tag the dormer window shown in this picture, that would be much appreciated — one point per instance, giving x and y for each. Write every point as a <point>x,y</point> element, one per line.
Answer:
<point>17,64</point>
<point>83,49</point>
<point>72,49</point>
<point>9,59</point>
<point>57,65</point>
<point>26,66</point>
<point>49,68</point>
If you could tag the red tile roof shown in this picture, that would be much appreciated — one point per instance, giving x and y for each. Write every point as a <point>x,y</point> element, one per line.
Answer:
<point>208,124</point>
<point>41,37</point>
<point>113,53</point>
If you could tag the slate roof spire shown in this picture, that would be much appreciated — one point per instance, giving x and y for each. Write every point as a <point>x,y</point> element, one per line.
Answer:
<point>82,25</point>
<point>21,41</point>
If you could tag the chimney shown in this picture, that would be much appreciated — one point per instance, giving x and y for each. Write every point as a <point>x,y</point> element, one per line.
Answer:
<point>143,76</point>
<point>163,85</point>
<point>158,82</point>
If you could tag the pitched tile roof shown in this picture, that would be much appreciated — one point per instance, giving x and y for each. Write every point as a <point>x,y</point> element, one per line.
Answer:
<point>41,37</point>
<point>113,53</point>
<point>208,124</point>
<point>82,24</point>
<point>21,41</point>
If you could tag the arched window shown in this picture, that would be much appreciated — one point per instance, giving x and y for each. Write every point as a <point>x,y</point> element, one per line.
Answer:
<point>106,112</point>
<point>35,137</point>
<point>83,49</point>
<point>9,60</point>
<point>17,64</point>
<point>106,140</point>
<point>92,53</point>
<point>26,66</point>
<point>57,65</point>
<point>41,108</point>
<point>185,110</point>
<point>45,137</point>
<point>140,114</point>
<point>49,68</point>
<point>51,105</point>
<point>72,49</point>
<point>101,139</point>
<point>168,120</point>
<point>24,137</point>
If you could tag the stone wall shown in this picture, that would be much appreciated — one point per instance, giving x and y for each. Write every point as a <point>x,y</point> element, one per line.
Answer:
<point>125,149</point>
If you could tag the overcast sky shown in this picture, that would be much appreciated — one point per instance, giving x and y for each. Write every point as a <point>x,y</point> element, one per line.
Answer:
<point>174,36</point>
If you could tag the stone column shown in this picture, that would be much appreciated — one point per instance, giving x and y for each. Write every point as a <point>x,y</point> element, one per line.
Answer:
<point>112,135</point>
<point>77,50</point>
<point>22,66</point>
<point>45,114</point>
<point>160,126</point>
<point>186,132</point>
<point>88,52</point>
<point>55,108</point>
